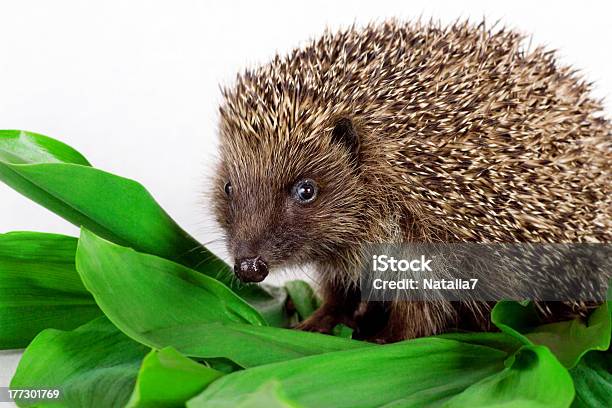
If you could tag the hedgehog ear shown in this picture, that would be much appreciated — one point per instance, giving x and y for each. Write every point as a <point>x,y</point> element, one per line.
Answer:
<point>344,133</point>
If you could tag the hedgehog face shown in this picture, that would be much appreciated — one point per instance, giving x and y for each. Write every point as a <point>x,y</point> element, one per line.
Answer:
<point>288,200</point>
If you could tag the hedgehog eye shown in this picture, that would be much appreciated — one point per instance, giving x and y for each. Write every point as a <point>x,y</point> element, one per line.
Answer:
<point>228,188</point>
<point>305,191</point>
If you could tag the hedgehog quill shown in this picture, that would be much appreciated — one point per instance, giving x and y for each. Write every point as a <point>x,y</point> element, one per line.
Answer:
<point>407,132</point>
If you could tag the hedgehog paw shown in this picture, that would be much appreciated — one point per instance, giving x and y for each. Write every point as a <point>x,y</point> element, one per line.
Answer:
<point>318,322</point>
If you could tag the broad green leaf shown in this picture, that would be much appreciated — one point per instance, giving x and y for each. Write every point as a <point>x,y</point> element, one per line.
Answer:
<point>246,345</point>
<point>412,373</point>
<point>40,287</point>
<point>533,378</point>
<point>21,147</point>
<point>593,380</point>
<point>160,303</point>
<point>113,207</point>
<point>303,298</point>
<point>514,318</point>
<point>168,379</point>
<point>93,366</point>
<point>142,287</point>
<point>572,339</point>
<point>568,340</point>
<point>269,395</point>
<point>118,209</point>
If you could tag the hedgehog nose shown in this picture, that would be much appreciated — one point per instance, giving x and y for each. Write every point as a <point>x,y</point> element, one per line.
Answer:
<point>251,269</point>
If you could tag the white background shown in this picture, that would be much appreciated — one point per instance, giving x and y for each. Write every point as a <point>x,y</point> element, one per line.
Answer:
<point>133,85</point>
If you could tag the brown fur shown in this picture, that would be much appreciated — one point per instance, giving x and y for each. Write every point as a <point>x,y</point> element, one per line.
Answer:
<point>463,135</point>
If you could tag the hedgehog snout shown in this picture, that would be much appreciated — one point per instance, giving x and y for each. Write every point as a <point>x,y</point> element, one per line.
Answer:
<point>251,269</point>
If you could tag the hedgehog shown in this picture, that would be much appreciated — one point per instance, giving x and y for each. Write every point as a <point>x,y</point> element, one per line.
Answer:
<point>401,132</point>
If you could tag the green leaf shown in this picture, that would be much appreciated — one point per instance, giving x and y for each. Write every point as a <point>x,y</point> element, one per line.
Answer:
<point>21,147</point>
<point>269,301</point>
<point>142,287</point>
<point>533,379</point>
<point>269,395</point>
<point>118,209</point>
<point>113,207</point>
<point>343,331</point>
<point>572,339</point>
<point>303,298</point>
<point>40,287</point>
<point>514,318</point>
<point>93,366</point>
<point>247,346</point>
<point>196,315</point>
<point>593,380</point>
<point>420,372</point>
<point>499,341</point>
<point>568,340</point>
<point>168,379</point>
